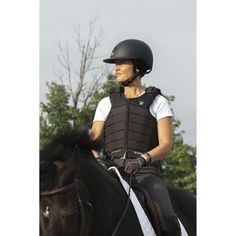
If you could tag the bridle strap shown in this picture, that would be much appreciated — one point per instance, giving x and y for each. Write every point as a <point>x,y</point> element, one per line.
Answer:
<point>81,205</point>
<point>64,189</point>
<point>58,190</point>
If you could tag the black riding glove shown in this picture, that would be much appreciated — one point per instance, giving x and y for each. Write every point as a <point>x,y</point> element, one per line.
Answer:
<point>131,166</point>
<point>102,162</point>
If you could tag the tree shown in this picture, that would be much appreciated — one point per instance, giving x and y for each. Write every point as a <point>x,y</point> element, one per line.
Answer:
<point>85,78</point>
<point>179,167</point>
<point>78,82</point>
<point>55,114</point>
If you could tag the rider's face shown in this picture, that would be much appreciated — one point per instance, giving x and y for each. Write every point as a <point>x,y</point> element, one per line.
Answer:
<point>123,70</point>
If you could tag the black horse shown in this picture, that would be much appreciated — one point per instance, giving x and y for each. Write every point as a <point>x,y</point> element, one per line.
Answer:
<point>79,197</point>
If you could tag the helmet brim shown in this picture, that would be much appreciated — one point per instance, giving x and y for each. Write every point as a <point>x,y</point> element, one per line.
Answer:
<point>113,60</point>
<point>109,60</point>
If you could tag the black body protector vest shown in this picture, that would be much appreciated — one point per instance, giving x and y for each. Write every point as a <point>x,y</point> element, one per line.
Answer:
<point>130,128</point>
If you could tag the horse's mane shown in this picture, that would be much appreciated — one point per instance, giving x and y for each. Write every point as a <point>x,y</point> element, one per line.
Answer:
<point>54,154</point>
<point>67,141</point>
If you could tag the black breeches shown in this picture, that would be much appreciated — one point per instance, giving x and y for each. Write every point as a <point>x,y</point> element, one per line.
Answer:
<point>158,193</point>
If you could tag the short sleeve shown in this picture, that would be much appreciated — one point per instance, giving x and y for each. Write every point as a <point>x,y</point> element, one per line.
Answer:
<point>160,108</point>
<point>102,110</point>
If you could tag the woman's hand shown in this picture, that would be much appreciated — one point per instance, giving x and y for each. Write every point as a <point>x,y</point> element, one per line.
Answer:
<point>132,166</point>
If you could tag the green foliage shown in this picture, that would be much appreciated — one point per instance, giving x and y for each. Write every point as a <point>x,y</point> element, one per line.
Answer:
<point>55,114</point>
<point>179,167</point>
<point>85,117</point>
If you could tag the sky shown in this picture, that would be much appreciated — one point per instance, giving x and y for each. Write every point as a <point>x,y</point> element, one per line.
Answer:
<point>167,26</point>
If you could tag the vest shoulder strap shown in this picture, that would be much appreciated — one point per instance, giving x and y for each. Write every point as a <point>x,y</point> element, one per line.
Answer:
<point>116,97</point>
<point>153,90</point>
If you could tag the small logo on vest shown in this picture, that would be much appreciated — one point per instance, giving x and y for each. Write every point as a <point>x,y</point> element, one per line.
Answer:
<point>141,103</point>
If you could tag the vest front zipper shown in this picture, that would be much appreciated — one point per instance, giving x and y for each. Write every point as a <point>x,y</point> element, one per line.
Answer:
<point>127,129</point>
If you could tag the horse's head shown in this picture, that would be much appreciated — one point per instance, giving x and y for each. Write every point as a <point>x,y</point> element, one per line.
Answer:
<point>64,198</point>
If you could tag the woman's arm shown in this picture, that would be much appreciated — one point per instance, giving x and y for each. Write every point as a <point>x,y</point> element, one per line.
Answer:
<point>96,133</point>
<point>165,140</point>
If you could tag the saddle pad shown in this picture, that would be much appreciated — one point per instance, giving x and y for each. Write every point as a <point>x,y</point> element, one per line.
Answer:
<point>183,231</point>
<point>143,219</point>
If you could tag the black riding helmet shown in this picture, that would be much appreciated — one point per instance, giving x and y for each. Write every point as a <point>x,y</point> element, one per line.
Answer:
<point>135,50</point>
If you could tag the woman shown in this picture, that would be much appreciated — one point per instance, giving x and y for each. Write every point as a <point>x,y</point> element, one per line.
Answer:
<point>136,124</point>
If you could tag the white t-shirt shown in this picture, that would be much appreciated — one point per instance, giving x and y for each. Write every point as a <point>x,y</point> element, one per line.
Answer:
<point>159,108</point>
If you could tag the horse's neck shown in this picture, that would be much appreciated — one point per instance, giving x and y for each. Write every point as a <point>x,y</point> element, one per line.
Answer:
<point>102,187</point>
<point>106,189</point>
<point>107,197</point>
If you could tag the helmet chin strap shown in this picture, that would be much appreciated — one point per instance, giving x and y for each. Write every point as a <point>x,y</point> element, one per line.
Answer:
<point>131,79</point>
